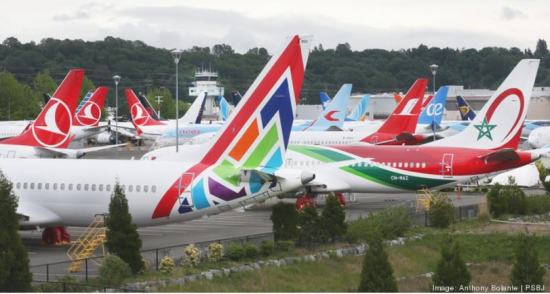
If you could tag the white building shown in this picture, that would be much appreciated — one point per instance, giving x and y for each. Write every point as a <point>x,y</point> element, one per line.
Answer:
<point>207,81</point>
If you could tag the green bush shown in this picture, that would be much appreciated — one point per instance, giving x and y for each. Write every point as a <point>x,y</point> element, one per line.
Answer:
<point>235,252</point>
<point>285,246</point>
<point>167,265</point>
<point>484,189</point>
<point>442,211</point>
<point>215,252</point>
<point>114,270</point>
<point>507,199</point>
<point>251,250</point>
<point>388,223</point>
<point>537,204</point>
<point>267,247</point>
<point>451,269</point>
<point>67,283</point>
<point>285,220</point>
<point>498,205</point>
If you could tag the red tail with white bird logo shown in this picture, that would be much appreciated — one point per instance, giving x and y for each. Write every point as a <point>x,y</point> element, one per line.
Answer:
<point>52,127</point>
<point>90,114</point>
<point>140,115</point>
<point>405,116</point>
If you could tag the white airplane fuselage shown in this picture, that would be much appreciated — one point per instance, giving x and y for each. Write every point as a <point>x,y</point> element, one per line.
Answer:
<point>52,193</point>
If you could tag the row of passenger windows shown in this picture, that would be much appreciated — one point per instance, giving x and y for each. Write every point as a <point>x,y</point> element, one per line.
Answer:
<point>393,164</point>
<point>316,142</point>
<point>85,187</point>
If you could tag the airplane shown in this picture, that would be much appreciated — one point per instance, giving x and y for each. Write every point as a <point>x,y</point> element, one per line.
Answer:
<point>50,134</point>
<point>241,166</point>
<point>358,113</point>
<point>333,116</point>
<point>466,112</point>
<point>484,149</point>
<point>88,115</point>
<point>152,128</point>
<point>431,116</point>
<point>395,130</point>
<point>225,108</point>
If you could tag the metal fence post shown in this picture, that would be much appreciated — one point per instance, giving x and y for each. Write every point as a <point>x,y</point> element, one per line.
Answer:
<point>460,213</point>
<point>47,272</point>
<point>425,218</point>
<point>86,269</point>
<point>157,259</point>
<point>64,287</point>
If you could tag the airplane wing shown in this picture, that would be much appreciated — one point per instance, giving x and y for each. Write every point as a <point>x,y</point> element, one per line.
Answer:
<point>73,153</point>
<point>502,155</point>
<point>32,216</point>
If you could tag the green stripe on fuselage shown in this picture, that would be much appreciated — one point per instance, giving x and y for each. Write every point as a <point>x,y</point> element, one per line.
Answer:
<point>321,154</point>
<point>393,179</point>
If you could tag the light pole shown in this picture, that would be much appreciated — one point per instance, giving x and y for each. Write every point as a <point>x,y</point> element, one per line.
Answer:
<point>433,69</point>
<point>177,54</point>
<point>116,79</point>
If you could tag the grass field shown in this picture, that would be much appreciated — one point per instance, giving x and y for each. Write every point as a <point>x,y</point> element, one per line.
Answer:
<point>488,247</point>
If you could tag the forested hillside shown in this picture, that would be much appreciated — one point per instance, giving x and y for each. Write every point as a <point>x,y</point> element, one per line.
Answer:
<point>28,70</point>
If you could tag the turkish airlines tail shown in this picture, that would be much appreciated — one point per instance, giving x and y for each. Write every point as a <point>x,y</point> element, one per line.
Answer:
<point>140,115</point>
<point>403,118</point>
<point>52,127</point>
<point>89,113</point>
<point>498,125</point>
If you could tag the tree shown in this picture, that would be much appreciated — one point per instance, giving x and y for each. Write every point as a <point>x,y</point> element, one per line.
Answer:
<point>285,220</point>
<point>526,270</point>
<point>543,173</point>
<point>497,205</point>
<point>442,211</point>
<point>122,236</point>
<point>377,273</point>
<point>310,223</point>
<point>542,49</point>
<point>15,275</point>
<point>222,49</point>
<point>334,218</point>
<point>43,83</point>
<point>451,270</point>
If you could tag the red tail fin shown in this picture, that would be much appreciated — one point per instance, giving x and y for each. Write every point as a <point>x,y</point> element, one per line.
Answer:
<point>140,116</point>
<point>90,114</point>
<point>405,116</point>
<point>52,127</point>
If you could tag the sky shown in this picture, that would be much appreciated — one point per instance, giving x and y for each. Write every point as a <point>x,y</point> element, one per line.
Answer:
<point>243,24</point>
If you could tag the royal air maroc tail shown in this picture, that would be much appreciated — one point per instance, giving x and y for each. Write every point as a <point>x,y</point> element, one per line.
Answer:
<point>241,166</point>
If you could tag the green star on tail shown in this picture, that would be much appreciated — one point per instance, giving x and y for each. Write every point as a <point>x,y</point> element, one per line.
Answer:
<point>485,130</point>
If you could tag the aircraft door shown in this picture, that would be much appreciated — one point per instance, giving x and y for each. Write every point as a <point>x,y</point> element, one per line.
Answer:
<point>447,165</point>
<point>289,163</point>
<point>11,154</point>
<point>185,190</point>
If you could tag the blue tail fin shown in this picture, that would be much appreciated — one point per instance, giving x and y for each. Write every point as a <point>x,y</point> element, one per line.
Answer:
<point>433,113</point>
<point>225,108</point>
<point>466,112</point>
<point>325,100</point>
<point>335,114</point>
<point>360,111</point>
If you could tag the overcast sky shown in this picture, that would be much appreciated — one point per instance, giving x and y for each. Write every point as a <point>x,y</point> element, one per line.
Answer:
<point>387,24</point>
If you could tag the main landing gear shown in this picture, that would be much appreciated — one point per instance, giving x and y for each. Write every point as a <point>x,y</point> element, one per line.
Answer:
<point>56,236</point>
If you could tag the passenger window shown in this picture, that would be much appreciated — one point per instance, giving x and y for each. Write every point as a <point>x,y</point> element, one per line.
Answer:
<point>145,188</point>
<point>406,164</point>
<point>62,186</point>
<point>32,186</point>
<point>86,186</point>
<point>154,189</point>
<point>18,185</point>
<point>123,187</point>
<point>412,164</point>
<point>394,164</point>
<point>47,186</point>
<point>423,165</point>
<point>55,186</point>
<point>100,187</point>
<point>418,165</point>
<point>108,188</point>
<point>138,188</point>
<point>93,187</point>
<point>70,187</point>
<point>25,185</point>
<point>39,186</point>
<point>130,188</point>
<point>400,165</point>
<point>78,187</point>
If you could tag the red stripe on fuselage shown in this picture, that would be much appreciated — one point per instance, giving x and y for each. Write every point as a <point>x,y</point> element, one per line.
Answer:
<point>465,160</point>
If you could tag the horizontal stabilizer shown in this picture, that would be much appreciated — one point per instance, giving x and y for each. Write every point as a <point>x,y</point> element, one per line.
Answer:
<point>502,155</point>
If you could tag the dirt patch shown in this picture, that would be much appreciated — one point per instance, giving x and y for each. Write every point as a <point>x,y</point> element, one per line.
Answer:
<point>515,228</point>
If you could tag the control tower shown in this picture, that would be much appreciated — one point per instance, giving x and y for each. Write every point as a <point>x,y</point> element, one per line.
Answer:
<point>206,80</point>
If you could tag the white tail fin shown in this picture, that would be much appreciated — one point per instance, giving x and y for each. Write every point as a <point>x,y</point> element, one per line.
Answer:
<point>499,123</point>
